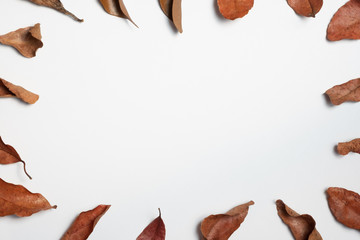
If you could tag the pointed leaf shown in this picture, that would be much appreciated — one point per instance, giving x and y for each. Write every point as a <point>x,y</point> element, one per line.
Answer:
<point>8,89</point>
<point>166,7</point>
<point>233,9</point>
<point>306,8</point>
<point>116,8</point>
<point>349,91</point>
<point>154,231</point>
<point>172,9</point>
<point>345,148</point>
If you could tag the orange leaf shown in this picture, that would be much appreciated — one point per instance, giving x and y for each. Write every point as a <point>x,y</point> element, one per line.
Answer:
<point>222,226</point>
<point>344,148</point>
<point>349,91</point>
<point>116,8</point>
<point>232,9</point>
<point>306,8</point>
<point>154,231</point>
<point>10,90</point>
<point>85,223</point>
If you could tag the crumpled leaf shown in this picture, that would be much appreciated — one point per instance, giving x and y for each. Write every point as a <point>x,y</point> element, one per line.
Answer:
<point>222,226</point>
<point>116,8</point>
<point>306,8</point>
<point>154,231</point>
<point>8,155</point>
<point>26,40</point>
<point>345,206</point>
<point>85,223</point>
<point>17,200</point>
<point>172,9</point>
<point>345,148</point>
<point>349,91</point>
<point>8,89</point>
<point>302,226</point>
<point>58,6</point>
<point>345,24</point>
<point>233,9</point>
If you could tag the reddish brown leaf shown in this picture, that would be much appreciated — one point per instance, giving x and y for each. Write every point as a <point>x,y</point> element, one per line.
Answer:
<point>8,155</point>
<point>172,9</point>
<point>166,7</point>
<point>17,200</point>
<point>222,226</point>
<point>85,223</point>
<point>345,206</point>
<point>344,148</point>
<point>154,231</point>
<point>26,40</point>
<point>116,8</point>
<point>10,90</point>
<point>349,91</point>
<point>306,8</point>
<point>302,226</point>
<point>58,6</point>
<point>345,24</point>
<point>232,9</point>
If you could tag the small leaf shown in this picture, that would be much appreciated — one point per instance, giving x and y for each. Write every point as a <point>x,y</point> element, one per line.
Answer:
<point>26,40</point>
<point>8,155</point>
<point>116,8</point>
<point>85,223</point>
<point>154,231</point>
<point>233,9</point>
<point>306,8</point>
<point>10,90</point>
<point>172,9</point>
<point>17,200</point>
<point>349,91</point>
<point>345,148</point>
<point>345,206</point>
<point>345,24</point>
<point>58,6</point>
<point>222,226</point>
<point>302,226</point>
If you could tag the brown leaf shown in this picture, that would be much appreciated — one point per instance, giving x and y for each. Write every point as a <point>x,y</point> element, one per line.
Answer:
<point>345,206</point>
<point>58,6</point>
<point>345,24</point>
<point>344,148</point>
<point>26,40</point>
<point>154,231</point>
<point>8,155</point>
<point>172,9</point>
<point>17,200</point>
<point>222,226</point>
<point>116,8</point>
<point>85,223</point>
<point>349,91</point>
<point>306,8</point>
<point>232,9</point>
<point>301,226</point>
<point>10,90</point>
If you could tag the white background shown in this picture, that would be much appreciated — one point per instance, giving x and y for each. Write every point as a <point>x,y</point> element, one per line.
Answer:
<point>193,123</point>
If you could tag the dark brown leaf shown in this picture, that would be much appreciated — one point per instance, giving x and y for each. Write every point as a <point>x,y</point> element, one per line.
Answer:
<point>85,223</point>
<point>345,148</point>
<point>222,226</point>
<point>154,231</point>
<point>10,90</point>
<point>116,8</point>
<point>172,9</point>
<point>306,8</point>
<point>346,92</point>
<point>233,9</point>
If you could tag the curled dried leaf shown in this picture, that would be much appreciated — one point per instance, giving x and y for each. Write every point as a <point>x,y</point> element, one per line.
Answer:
<point>26,40</point>
<point>172,9</point>
<point>58,6</point>
<point>85,223</point>
<point>306,8</point>
<point>116,8</point>
<point>154,231</point>
<point>222,226</point>
<point>8,89</point>
<point>345,23</point>
<point>301,226</point>
<point>345,206</point>
<point>349,91</point>
<point>345,148</point>
<point>17,200</point>
<point>8,155</point>
<point>233,9</point>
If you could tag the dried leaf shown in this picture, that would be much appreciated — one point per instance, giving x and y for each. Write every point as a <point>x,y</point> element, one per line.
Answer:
<point>17,200</point>
<point>344,148</point>
<point>345,24</point>
<point>26,40</point>
<point>349,91</point>
<point>301,226</point>
<point>85,223</point>
<point>172,9</point>
<point>222,226</point>
<point>58,6</point>
<point>8,155</point>
<point>10,90</point>
<point>345,206</point>
<point>233,9</point>
<point>116,8</point>
<point>154,231</point>
<point>306,8</point>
